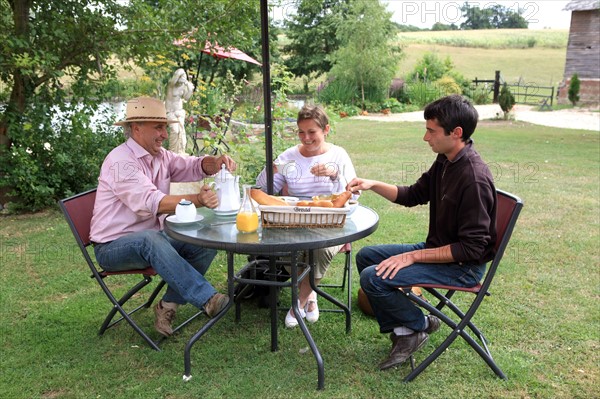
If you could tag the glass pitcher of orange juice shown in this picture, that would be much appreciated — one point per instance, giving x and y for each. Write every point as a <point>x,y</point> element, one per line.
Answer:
<point>247,217</point>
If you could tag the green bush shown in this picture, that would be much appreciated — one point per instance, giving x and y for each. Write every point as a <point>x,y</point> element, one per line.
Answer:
<point>574,86</point>
<point>506,100</point>
<point>480,95</point>
<point>448,85</point>
<point>431,68</point>
<point>337,91</point>
<point>422,93</point>
<point>54,155</point>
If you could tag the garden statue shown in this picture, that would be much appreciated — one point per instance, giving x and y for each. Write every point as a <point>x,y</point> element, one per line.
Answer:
<point>179,90</point>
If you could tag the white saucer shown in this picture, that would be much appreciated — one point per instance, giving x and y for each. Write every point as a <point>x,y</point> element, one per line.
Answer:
<point>226,213</point>
<point>173,219</point>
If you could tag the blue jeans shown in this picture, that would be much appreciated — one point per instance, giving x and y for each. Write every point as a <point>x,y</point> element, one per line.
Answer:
<point>182,266</point>
<point>393,309</point>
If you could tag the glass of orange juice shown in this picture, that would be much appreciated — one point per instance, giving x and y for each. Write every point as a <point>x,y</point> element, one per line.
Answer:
<point>247,217</point>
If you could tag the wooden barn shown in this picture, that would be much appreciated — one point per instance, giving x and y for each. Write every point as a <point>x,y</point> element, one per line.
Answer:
<point>583,52</point>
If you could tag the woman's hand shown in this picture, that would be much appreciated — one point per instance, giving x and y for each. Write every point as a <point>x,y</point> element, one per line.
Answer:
<point>322,169</point>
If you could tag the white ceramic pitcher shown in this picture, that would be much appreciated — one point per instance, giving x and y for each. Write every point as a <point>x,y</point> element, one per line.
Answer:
<point>227,187</point>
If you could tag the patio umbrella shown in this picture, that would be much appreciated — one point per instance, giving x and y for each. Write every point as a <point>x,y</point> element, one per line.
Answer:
<point>264,27</point>
<point>231,52</point>
<point>216,51</point>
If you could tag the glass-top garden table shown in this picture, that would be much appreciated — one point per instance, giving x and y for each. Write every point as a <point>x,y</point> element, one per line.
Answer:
<point>220,233</point>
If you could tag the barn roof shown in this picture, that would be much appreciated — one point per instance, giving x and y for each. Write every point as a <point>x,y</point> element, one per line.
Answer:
<point>583,5</point>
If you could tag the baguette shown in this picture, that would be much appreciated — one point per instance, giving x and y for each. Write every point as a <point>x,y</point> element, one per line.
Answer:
<point>318,203</point>
<point>322,203</point>
<point>341,200</point>
<point>263,198</point>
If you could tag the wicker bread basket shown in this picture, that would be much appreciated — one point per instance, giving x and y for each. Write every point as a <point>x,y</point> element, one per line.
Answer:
<point>302,216</point>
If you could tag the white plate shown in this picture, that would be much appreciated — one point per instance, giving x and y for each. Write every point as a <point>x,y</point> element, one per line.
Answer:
<point>226,213</point>
<point>352,205</point>
<point>173,219</point>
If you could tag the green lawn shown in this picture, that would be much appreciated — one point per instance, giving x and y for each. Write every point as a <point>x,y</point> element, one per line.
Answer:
<point>542,318</point>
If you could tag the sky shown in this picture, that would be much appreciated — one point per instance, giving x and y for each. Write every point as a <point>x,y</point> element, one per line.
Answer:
<point>423,14</point>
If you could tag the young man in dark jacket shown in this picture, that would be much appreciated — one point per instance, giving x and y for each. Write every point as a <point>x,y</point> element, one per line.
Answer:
<point>462,229</point>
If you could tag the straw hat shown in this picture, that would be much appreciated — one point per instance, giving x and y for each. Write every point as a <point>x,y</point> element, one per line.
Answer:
<point>145,109</point>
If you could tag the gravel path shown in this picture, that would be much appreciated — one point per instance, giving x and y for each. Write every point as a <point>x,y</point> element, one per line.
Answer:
<point>567,118</point>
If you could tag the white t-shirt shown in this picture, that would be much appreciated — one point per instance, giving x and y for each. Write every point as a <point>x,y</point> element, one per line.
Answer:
<point>301,183</point>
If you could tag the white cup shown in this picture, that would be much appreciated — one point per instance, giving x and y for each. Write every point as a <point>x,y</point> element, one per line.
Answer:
<point>185,211</point>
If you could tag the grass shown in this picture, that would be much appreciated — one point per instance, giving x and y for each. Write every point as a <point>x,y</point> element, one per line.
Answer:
<point>542,317</point>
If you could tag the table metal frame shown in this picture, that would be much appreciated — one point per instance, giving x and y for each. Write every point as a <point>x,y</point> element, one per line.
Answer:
<point>221,234</point>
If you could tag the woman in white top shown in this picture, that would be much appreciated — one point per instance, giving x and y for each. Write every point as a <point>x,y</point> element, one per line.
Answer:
<point>317,168</point>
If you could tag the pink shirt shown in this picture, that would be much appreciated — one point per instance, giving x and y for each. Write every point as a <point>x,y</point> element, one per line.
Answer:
<point>130,187</point>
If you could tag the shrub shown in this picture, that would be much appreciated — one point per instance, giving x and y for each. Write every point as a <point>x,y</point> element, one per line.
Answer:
<point>574,86</point>
<point>431,68</point>
<point>506,100</point>
<point>56,153</point>
<point>448,85</point>
<point>337,90</point>
<point>422,93</point>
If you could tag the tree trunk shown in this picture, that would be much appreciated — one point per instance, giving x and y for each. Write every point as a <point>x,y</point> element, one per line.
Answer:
<point>18,95</point>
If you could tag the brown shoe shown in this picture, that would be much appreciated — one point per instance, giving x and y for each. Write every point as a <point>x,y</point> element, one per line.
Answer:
<point>164,315</point>
<point>403,346</point>
<point>434,324</point>
<point>216,304</point>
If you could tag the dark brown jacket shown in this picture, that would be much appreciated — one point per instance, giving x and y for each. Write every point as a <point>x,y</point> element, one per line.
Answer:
<point>462,204</point>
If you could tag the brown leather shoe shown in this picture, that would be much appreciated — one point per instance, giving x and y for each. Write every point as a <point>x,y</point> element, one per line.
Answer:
<point>216,304</point>
<point>402,347</point>
<point>164,315</point>
<point>434,324</point>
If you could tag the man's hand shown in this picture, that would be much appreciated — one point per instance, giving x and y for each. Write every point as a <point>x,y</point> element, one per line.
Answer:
<point>358,184</point>
<point>207,197</point>
<point>389,267</point>
<point>212,165</point>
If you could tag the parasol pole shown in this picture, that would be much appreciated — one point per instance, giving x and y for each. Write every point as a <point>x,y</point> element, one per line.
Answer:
<point>264,23</point>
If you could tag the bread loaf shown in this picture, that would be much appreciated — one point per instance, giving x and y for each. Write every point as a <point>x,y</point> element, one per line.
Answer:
<point>263,198</point>
<point>341,200</point>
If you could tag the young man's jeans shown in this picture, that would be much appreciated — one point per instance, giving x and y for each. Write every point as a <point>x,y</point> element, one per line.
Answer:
<point>181,265</point>
<point>390,306</point>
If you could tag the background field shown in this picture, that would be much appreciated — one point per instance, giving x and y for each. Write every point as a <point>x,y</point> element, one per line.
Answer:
<point>478,54</point>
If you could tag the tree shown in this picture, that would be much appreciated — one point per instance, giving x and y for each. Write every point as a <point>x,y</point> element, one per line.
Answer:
<point>440,26</point>
<point>367,60</point>
<point>56,56</point>
<point>492,17</point>
<point>312,32</point>
<point>574,86</point>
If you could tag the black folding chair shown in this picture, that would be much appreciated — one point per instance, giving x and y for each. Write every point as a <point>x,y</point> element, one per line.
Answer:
<point>509,207</point>
<point>214,128</point>
<point>346,279</point>
<point>78,211</point>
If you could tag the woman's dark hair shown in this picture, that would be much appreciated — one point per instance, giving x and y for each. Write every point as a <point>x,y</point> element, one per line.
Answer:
<point>451,112</point>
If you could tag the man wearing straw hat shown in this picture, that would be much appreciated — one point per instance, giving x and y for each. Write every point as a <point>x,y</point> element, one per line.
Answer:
<point>133,200</point>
